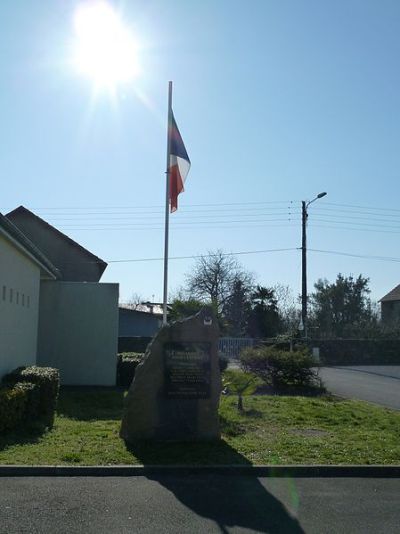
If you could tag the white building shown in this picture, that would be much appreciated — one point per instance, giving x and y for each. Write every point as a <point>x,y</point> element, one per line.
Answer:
<point>53,310</point>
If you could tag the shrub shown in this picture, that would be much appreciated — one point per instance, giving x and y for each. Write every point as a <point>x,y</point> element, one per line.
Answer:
<point>12,406</point>
<point>32,394</point>
<point>126,367</point>
<point>281,368</point>
<point>48,381</point>
<point>240,383</point>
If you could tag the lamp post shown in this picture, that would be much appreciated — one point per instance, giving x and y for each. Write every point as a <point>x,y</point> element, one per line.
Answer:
<point>304,217</point>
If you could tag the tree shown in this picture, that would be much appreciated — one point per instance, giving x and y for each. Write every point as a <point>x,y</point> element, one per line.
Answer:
<point>264,319</point>
<point>237,309</point>
<point>215,277</point>
<point>289,312</point>
<point>343,308</point>
<point>181,308</point>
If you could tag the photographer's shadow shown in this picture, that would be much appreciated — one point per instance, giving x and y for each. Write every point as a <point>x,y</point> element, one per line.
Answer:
<point>229,499</point>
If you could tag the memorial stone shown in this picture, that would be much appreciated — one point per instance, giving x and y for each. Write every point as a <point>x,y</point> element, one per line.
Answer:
<point>175,392</point>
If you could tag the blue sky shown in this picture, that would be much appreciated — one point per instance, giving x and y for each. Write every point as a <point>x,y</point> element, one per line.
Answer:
<point>276,101</point>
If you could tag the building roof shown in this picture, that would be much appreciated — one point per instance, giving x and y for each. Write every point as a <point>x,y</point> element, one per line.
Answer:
<point>392,295</point>
<point>73,261</point>
<point>148,309</point>
<point>28,247</point>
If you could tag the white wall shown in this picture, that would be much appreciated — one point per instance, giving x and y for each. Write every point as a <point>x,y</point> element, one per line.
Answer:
<point>78,331</point>
<point>19,304</point>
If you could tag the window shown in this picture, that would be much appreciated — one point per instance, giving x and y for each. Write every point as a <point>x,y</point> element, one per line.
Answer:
<point>4,292</point>
<point>11,294</point>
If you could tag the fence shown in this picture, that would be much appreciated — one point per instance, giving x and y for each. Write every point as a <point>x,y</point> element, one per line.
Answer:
<point>230,347</point>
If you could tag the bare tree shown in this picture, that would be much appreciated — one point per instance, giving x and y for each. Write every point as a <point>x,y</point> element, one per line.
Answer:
<point>214,278</point>
<point>288,310</point>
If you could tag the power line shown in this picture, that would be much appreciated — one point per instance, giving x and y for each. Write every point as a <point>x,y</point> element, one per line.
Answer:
<point>354,229</point>
<point>248,252</point>
<point>350,254</point>
<point>158,228</point>
<point>358,223</point>
<point>323,213</point>
<point>360,212</point>
<point>361,207</point>
<point>182,211</point>
<point>183,223</point>
<point>242,253</point>
<point>188,216</point>
<point>161,205</point>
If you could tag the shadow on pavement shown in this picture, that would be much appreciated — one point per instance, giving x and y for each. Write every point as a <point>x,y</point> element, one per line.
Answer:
<point>227,499</point>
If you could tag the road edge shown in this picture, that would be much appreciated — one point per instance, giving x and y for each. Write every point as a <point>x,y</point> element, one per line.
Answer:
<point>298,471</point>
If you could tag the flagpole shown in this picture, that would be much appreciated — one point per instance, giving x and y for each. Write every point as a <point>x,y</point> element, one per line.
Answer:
<point>165,298</point>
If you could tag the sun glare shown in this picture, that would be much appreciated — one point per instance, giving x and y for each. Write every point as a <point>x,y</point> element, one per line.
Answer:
<point>105,49</point>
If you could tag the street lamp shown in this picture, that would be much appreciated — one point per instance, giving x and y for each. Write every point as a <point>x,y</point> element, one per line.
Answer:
<point>304,217</point>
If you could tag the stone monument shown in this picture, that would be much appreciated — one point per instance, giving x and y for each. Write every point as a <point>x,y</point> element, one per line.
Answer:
<point>176,389</point>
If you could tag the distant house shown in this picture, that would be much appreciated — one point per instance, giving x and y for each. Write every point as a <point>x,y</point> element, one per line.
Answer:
<point>390,306</point>
<point>53,310</point>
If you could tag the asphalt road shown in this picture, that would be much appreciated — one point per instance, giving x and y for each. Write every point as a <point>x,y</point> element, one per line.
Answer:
<point>198,504</point>
<point>377,384</point>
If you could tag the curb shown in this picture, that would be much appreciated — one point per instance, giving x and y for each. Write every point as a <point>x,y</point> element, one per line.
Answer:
<point>295,471</point>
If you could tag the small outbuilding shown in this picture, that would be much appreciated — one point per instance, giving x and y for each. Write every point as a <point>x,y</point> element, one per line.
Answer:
<point>142,321</point>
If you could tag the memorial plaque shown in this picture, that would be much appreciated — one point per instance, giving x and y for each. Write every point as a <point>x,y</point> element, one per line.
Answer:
<point>175,393</point>
<point>187,370</point>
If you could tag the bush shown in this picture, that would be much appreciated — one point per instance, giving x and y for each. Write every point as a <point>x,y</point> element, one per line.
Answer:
<point>126,367</point>
<point>280,368</point>
<point>12,406</point>
<point>48,381</point>
<point>32,393</point>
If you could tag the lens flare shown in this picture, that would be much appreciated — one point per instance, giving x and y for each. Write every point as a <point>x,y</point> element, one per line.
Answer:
<point>105,49</point>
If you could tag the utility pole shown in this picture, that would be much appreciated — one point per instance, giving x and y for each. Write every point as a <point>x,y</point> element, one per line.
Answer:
<point>304,217</point>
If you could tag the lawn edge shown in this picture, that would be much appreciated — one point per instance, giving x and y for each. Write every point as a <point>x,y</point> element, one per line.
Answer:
<point>298,471</point>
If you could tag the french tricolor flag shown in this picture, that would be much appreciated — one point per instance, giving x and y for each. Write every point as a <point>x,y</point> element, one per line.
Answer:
<point>178,165</point>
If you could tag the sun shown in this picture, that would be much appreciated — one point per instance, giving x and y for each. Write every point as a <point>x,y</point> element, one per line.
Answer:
<point>105,50</point>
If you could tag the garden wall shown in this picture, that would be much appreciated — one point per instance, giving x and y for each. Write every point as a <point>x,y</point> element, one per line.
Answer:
<point>358,351</point>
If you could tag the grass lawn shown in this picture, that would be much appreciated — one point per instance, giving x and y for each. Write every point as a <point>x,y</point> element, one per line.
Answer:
<point>272,430</point>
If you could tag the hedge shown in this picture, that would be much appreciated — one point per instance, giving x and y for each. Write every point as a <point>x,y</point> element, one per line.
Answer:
<point>13,402</point>
<point>32,394</point>
<point>358,351</point>
<point>44,401</point>
<point>126,367</point>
